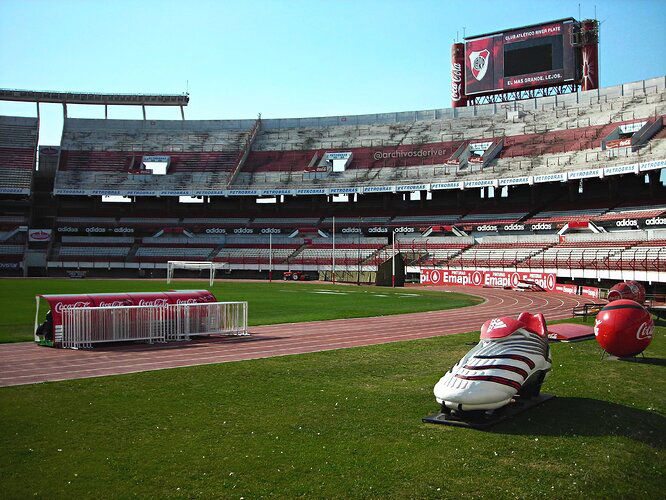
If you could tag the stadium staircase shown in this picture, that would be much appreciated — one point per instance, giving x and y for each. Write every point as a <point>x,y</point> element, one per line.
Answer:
<point>454,256</point>
<point>296,252</point>
<point>535,255</point>
<point>131,255</point>
<point>214,251</point>
<point>376,256</point>
<point>213,255</point>
<point>249,141</point>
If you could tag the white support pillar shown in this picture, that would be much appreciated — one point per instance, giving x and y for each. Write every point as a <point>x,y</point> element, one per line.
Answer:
<point>333,267</point>
<point>270,257</point>
<point>393,261</point>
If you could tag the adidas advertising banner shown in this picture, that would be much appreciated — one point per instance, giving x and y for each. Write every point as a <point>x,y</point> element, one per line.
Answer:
<point>630,223</point>
<point>376,230</point>
<point>119,231</point>
<point>492,279</point>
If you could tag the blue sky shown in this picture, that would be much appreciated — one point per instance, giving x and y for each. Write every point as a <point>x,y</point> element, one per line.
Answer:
<point>282,58</point>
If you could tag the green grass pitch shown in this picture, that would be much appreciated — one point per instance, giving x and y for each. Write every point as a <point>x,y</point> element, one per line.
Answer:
<point>268,303</point>
<point>337,424</point>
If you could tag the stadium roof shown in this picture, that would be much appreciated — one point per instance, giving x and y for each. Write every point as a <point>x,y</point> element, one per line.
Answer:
<point>94,98</point>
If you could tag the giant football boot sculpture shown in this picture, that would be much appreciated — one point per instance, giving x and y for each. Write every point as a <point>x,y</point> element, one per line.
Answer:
<point>510,362</point>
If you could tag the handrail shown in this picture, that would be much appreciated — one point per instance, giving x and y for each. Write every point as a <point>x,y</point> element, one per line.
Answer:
<point>249,140</point>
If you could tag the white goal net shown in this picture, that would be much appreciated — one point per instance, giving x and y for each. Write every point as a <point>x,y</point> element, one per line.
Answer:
<point>172,265</point>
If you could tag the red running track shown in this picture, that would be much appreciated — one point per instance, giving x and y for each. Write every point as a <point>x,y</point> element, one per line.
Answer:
<point>27,363</point>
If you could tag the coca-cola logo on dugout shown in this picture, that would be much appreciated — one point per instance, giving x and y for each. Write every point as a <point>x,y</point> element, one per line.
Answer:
<point>153,302</point>
<point>60,306</point>
<point>187,301</point>
<point>115,303</point>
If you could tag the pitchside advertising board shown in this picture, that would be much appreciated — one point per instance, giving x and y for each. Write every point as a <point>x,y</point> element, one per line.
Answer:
<point>529,57</point>
<point>492,279</point>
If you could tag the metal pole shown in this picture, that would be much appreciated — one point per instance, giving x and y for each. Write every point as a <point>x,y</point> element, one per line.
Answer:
<point>333,269</point>
<point>358,280</point>
<point>36,318</point>
<point>393,262</point>
<point>270,257</point>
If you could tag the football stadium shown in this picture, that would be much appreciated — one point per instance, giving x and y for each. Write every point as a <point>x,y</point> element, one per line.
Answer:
<point>463,301</point>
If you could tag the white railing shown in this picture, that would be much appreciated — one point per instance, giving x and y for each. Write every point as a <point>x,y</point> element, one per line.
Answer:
<point>84,326</point>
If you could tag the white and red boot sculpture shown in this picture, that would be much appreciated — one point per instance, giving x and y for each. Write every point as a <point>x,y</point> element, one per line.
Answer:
<point>511,359</point>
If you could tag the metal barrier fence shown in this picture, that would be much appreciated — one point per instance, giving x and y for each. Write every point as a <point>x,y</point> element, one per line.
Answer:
<point>85,326</point>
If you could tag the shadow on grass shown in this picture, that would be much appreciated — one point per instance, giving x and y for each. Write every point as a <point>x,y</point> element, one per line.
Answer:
<point>563,416</point>
<point>660,321</point>
<point>643,360</point>
<point>196,343</point>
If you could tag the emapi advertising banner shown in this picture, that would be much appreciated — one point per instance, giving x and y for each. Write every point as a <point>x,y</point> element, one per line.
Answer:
<point>491,279</point>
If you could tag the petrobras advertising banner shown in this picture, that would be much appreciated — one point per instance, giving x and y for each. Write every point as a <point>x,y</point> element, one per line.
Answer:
<point>446,185</point>
<point>345,190</point>
<point>585,174</point>
<point>652,165</point>
<point>338,156</point>
<point>477,183</point>
<point>277,192</point>
<point>479,146</point>
<point>491,279</point>
<point>514,181</point>
<point>307,192</point>
<point>414,187</point>
<point>550,178</point>
<point>379,189</point>
<point>630,128</point>
<point>145,193</point>
<point>481,183</point>
<point>244,192</point>
<point>11,190</point>
<point>622,169</point>
<point>156,159</point>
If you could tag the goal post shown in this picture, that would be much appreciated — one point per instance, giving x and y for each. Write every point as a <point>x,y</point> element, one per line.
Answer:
<point>172,265</point>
